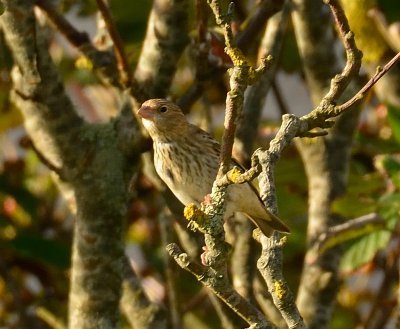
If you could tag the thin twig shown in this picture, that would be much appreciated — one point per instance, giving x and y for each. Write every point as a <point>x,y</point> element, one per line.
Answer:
<point>103,61</point>
<point>349,230</point>
<point>234,99</point>
<point>270,261</point>
<point>27,143</point>
<point>49,318</point>
<point>327,107</point>
<point>75,37</point>
<point>245,38</point>
<point>353,54</point>
<point>380,72</point>
<point>122,60</point>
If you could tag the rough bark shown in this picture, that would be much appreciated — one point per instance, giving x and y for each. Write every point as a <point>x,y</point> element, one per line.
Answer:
<point>85,158</point>
<point>325,160</point>
<point>166,37</point>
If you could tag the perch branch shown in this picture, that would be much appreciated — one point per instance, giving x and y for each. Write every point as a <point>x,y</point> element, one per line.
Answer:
<point>219,285</point>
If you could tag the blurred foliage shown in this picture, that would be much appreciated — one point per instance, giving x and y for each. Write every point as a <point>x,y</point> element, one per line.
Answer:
<point>368,38</point>
<point>391,9</point>
<point>36,224</point>
<point>394,121</point>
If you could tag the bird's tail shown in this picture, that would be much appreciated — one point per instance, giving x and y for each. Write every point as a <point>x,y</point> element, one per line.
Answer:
<point>267,225</point>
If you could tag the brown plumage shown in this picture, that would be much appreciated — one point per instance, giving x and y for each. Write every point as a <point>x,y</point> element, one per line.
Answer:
<point>187,160</point>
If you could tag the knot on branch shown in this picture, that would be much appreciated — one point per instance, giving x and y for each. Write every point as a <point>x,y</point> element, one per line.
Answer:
<point>180,257</point>
<point>260,70</point>
<point>271,243</point>
<point>349,35</point>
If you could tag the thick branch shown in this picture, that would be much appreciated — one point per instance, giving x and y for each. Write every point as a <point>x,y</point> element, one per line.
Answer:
<point>166,38</point>
<point>70,144</point>
<point>326,158</point>
<point>140,311</point>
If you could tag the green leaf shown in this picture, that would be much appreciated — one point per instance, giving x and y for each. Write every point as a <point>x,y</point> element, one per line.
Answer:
<point>352,206</point>
<point>391,165</point>
<point>364,249</point>
<point>373,145</point>
<point>356,228</point>
<point>361,196</point>
<point>389,209</point>
<point>394,121</point>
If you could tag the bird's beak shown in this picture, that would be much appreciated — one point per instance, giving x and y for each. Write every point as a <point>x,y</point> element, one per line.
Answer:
<point>146,112</point>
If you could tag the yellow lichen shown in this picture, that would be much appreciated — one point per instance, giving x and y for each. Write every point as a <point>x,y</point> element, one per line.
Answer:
<point>236,56</point>
<point>280,290</point>
<point>233,174</point>
<point>194,214</point>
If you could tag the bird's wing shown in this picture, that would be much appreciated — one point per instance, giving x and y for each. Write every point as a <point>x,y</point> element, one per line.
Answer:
<point>271,220</point>
<point>215,149</point>
<point>213,146</point>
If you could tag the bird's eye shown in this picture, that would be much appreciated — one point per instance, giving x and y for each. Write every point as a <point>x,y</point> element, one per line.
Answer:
<point>163,109</point>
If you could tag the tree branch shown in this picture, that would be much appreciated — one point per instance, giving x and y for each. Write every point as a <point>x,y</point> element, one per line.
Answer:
<point>380,72</point>
<point>257,93</point>
<point>139,310</point>
<point>349,230</point>
<point>73,145</point>
<point>326,158</point>
<point>270,267</point>
<point>166,38</point>
<point>264,11</point>
<point>219,285</point>
<point>103,61</point>
<point>122,60</point>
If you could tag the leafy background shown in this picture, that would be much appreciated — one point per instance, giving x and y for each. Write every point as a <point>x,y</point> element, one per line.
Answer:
<point>36,224</point>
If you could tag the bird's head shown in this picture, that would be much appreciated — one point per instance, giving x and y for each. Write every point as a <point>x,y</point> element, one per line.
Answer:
<point>162,118</point>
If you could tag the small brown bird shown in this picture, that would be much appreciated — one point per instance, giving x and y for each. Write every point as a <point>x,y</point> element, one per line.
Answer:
<point>187,160</point>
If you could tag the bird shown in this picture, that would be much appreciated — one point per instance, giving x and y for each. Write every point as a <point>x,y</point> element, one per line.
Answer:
<point>187,159</point>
